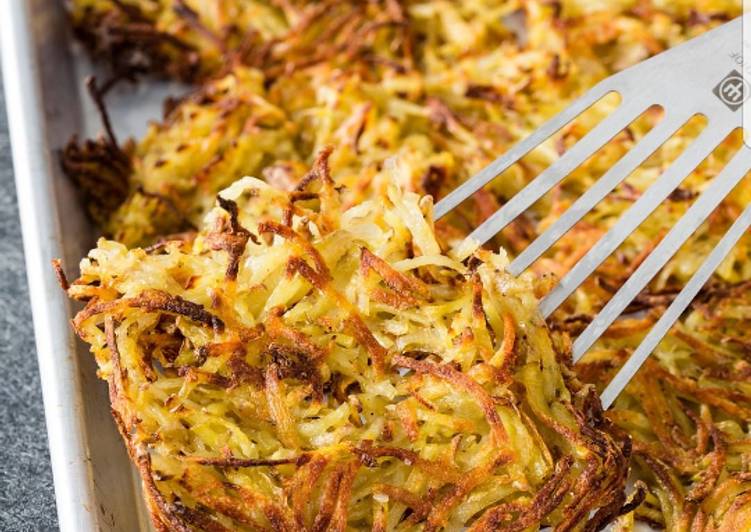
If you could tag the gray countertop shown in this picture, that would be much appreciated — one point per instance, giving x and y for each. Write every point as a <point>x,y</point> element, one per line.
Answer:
<point>27,500</point>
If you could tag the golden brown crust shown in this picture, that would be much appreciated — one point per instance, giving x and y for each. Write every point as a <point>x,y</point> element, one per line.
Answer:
<point>302,414</point>
<point>695,401</point>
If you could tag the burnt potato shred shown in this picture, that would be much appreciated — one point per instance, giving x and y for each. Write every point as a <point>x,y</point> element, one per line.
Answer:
<point>310,351</point>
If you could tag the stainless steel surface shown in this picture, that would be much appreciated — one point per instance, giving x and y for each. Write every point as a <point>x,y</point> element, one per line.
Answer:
<point>698,77</point>
<point>619,171</point>
<point>94,481</point>
<point>93,478</point>
<point>554,174</point>
<point>668,246</point>
<point>676,308</point>
<point>548,129</point>
<point>635,215</point>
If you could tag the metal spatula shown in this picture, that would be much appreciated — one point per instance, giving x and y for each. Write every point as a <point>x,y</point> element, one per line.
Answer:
<point>702,76</point>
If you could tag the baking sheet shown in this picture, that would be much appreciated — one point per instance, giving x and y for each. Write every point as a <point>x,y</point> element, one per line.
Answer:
<point>95,485</point>
<point>43,70</point>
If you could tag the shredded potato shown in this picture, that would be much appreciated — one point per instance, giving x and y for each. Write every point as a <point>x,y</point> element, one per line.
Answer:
<point>443,87</point>
<point>446,107</point>
<point>279,371</point>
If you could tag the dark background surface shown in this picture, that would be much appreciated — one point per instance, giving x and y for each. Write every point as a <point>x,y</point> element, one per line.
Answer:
<point>27,500</point>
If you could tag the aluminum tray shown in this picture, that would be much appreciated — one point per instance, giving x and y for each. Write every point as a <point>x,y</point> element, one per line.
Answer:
<point>96,487</point>
<point>43,71</point>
